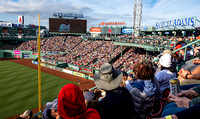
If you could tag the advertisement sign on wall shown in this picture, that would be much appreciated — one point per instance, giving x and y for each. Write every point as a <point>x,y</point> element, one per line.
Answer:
<point>21,19</point>
<point>42,64</point>
<point>95,30</point>
<point>58,69</point>
<point>78,74</point>
<point>127,31</point>
<point>67,71</point>
<point>111,30</point>
<point>16,56</point>
<point>17,52</point>
<point>26,55</point>
<point>191,21</point>
<point>112,23</point>
<point>52,67</point>
<point>35,62</point>
<point>6,24</point>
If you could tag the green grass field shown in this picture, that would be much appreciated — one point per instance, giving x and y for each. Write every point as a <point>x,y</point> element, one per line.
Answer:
<point>19,91</point>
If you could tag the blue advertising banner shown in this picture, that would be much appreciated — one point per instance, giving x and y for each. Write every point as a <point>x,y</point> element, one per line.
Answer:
<point>127,31</point>
<point>26,55</point>
<point>190,21</point>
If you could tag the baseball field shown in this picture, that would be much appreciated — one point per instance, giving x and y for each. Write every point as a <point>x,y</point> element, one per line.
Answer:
<point>18,86</point>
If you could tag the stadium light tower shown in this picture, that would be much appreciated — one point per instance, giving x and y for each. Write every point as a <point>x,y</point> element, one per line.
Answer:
<point>137,16</point>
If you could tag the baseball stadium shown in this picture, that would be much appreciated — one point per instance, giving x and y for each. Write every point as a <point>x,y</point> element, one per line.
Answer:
<point>109,70</point>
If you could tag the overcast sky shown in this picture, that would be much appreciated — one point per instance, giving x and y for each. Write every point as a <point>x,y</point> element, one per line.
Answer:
<point>96,11</point>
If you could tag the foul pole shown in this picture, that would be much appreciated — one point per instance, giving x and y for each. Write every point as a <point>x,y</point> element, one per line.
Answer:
<point>39,68</point>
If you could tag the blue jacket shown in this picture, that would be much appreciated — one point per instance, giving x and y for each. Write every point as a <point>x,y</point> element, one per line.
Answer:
<point>144,94</point>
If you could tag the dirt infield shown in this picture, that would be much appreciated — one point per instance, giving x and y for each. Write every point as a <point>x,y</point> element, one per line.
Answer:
<point>84,84</point>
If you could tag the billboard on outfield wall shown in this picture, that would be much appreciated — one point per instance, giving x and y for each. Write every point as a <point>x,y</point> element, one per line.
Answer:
<point>16,56</point>
<point>78,74</point>
<point>127,31</point>
<point>95,30</point>
<point>111,30</point>
<point>42,64</point>
<point>17,52</point>
<point>67,71</point>
<point>26,55</point>
<point>58,69</point>
<point>52,67</point>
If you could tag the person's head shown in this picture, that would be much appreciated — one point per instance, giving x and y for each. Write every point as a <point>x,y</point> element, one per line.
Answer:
<point>166,60</point>
<point>144,71</point>
<point>89,96</point>
<point>27,114</point>
<point>131,77</point>
<point>85,91</point>
<point>148,62</point>
<point>108,77</point>
<point>53,106</point>
<point>167,52</point>
<point>97,93</point>
<point>71,101</point>
<point>90,100</point>
<point>180,38</point>
<point>125,75</point>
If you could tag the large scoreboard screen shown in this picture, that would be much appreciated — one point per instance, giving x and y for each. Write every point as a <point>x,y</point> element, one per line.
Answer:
<point>67,25</point>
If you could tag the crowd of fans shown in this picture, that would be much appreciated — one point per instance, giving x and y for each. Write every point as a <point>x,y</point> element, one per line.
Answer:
<point>93,54</point>
<point>137,95</point>
<point>129,60</point>
<point>52,44</point>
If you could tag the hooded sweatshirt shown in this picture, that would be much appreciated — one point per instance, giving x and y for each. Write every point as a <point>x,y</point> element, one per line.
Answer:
<point>71,104</point>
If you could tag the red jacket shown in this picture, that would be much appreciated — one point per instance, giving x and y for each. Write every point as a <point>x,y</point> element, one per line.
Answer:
<point>71,104</point>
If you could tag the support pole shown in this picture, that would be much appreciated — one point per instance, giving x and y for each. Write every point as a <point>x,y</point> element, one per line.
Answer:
<point>39,68</point>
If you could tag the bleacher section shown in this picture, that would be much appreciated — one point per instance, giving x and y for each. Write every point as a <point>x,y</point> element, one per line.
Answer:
<point>91,54</point>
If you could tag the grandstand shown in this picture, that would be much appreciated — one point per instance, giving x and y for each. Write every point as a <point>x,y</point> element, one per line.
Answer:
<point>93,53</point>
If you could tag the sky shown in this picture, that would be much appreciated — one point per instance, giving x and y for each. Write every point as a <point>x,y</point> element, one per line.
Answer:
<point>96,11</point>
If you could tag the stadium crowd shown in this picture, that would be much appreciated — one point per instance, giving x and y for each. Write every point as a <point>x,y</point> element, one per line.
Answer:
<point>129,60</point>
<point>144,93</point>
<point>52,44</point>
<point>93,54</point>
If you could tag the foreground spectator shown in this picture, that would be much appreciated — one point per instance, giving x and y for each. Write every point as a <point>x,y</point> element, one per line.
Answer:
<point>51,111</point>
<point>167,72</point>
<point>71,104</point>
<point>186,77</point>
<point>188,99</point>
<point>189,113</point>
<point>144,90</point>
<point>117,104</point>
<point>190,72</point>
